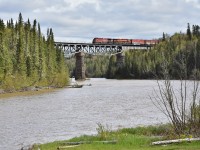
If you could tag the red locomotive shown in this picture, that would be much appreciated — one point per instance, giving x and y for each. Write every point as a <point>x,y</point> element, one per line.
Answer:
<point>124,41</point>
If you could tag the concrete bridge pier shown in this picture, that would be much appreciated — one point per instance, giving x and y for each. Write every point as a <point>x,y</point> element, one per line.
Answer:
<point>80,67</point>
<point>120,59</point>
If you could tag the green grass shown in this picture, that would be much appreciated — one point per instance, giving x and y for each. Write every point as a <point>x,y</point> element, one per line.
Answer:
<point>139,138</point>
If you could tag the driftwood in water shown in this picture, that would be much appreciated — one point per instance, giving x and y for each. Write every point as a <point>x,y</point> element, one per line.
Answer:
<point>175,141</point>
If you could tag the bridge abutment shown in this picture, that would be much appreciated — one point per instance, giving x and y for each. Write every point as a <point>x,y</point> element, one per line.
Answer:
<point>80,67</point>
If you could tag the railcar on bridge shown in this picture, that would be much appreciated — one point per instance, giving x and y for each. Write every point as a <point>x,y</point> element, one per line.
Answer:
<point>124,41</point>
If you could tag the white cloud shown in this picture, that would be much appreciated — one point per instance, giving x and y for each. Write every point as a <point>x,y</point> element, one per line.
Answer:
<point>191,1</point>
<point>195,3</point>
<point>73,4</point>
<point>68,5</point>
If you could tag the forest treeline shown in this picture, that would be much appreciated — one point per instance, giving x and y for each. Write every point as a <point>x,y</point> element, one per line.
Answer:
<point>27,58</point>
<point>180,53</point>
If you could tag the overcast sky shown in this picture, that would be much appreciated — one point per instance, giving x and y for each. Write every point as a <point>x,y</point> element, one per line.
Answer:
<point>82,20</point>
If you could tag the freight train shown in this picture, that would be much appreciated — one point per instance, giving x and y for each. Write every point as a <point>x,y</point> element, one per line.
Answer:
<point>124,41</point>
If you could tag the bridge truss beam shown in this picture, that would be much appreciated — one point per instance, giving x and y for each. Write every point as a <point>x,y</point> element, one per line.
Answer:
<point>71,48</point>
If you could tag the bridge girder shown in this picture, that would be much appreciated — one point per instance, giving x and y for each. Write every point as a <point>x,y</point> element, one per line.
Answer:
<point>72,48</point>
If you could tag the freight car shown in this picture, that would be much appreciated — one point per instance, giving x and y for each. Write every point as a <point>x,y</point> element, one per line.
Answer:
<point>124,41</point>
<point>138,42</point>
<point>102,41</point>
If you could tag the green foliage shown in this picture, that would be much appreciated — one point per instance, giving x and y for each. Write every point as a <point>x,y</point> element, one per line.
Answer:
<point>111,68</point>
<point>159,130</point>
<point>96,66</point>
<point>27,58</point>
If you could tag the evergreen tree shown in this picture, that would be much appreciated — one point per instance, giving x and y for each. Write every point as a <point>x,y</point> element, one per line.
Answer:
<point>163,39</point>
<point>27,28</point>
<point>2,25</point>
<point>20,54</point>
<point>40,69</point>
<point>1,50</point>
<point>189,32</point>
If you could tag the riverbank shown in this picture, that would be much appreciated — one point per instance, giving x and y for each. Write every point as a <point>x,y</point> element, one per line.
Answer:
<point>30,92</point>
<point>139,138</point>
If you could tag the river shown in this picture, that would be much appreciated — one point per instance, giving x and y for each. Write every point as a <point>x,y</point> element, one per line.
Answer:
<point>71,112</point>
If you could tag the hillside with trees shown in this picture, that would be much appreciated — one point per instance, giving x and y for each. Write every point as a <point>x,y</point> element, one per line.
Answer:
<point>172,52</point>
<point>29,59</point>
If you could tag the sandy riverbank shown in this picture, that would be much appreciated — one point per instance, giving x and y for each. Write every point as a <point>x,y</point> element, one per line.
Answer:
<point>27,93</point>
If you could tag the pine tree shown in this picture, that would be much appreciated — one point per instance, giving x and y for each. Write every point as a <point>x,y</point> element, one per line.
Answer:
<point>20,53</point>
<point>189,32</point>
<point>163,39</point>
<point>27,28</point>
<point>34,52</point>
<point>40,53</point>
<point>1,50</point>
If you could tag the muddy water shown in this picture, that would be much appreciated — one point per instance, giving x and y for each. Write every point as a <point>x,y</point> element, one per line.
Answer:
<point>70,112</point>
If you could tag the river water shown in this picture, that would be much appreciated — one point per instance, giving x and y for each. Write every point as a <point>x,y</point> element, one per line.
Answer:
<point>71,112</point>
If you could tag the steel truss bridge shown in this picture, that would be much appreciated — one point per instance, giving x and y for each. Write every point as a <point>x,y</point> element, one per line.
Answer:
<point>80,49</point>
<point>95,49</point>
